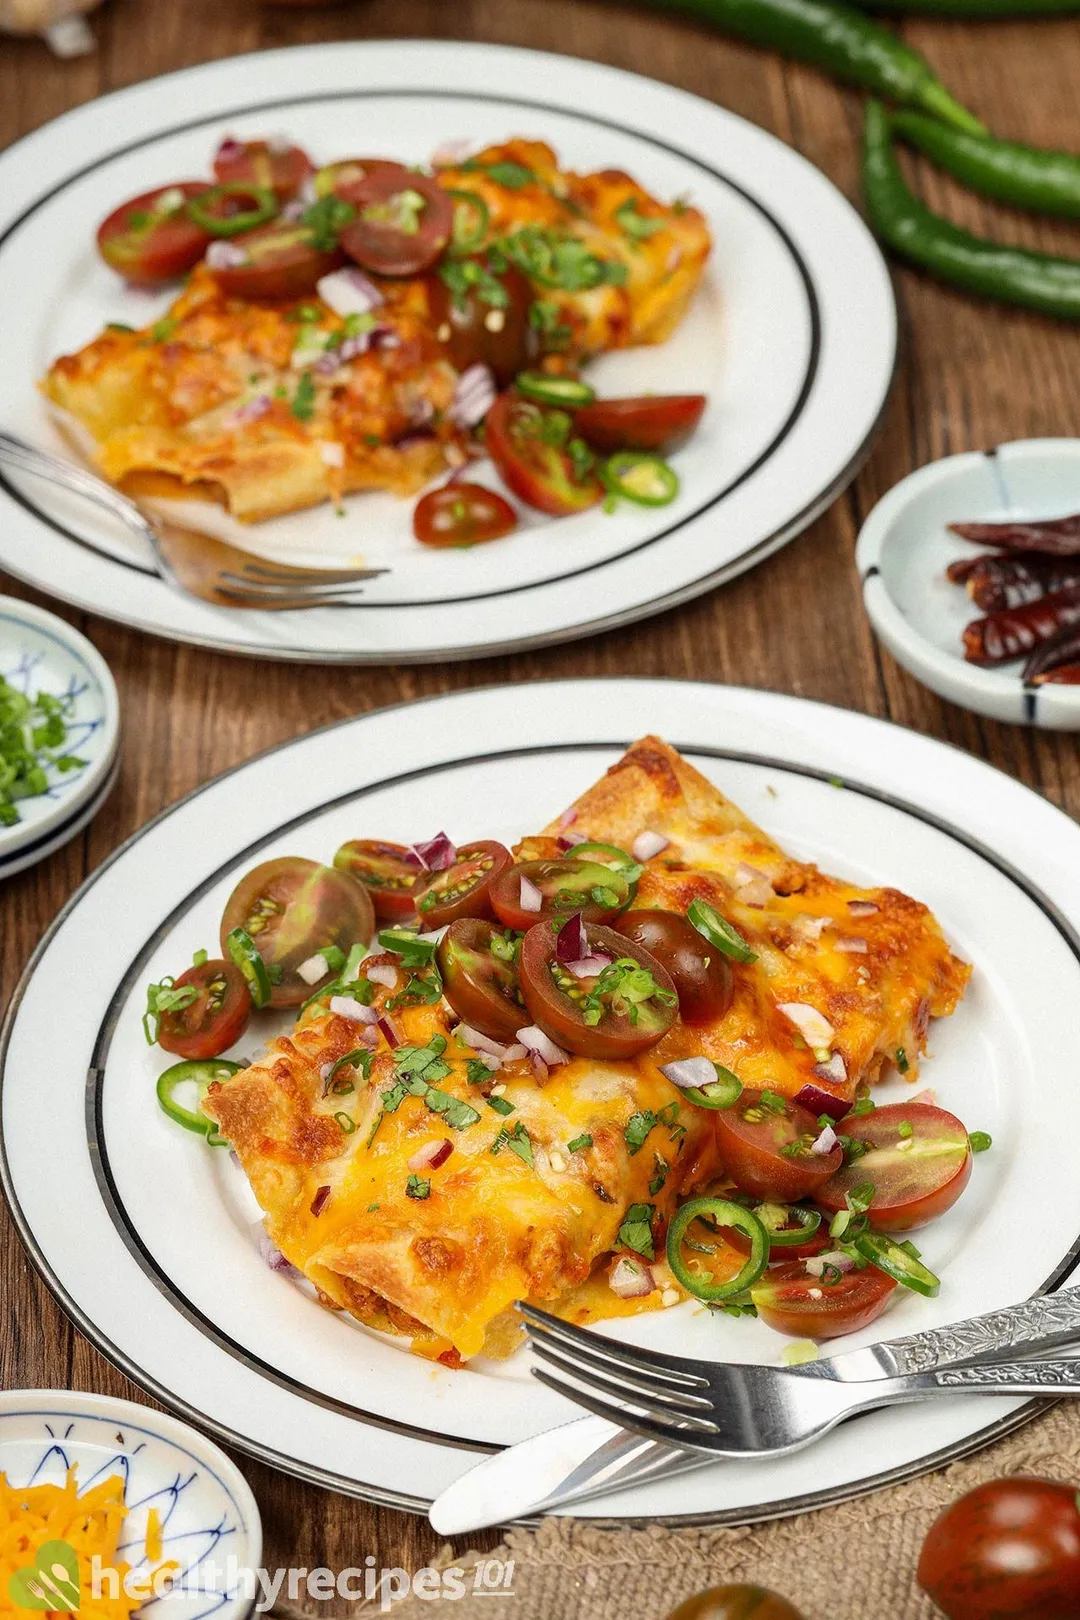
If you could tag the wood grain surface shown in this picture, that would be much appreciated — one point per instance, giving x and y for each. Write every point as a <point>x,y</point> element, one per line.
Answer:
<point>972,375</point>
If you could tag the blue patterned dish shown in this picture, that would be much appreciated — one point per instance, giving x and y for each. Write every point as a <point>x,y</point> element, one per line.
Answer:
<point>210,1522</point>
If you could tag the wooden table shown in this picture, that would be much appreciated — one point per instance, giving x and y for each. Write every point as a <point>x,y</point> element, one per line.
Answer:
<point>972,375</point>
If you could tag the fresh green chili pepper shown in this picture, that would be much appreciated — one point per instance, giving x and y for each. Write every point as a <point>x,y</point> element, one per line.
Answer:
<point>976,10</point>
<point>645,480</point>
<point>839,40</point>
<point>723,1092</point>
<point>898,1263</point>
<point>718,931</point>
<point>471,219</point>
<point>201,1071</point>
<point>205,210</point>
<point>245,955</point>
<point>569,392</point>
<point>807,1222</point>
<point>1012,275</point>
<point>724,1213</point>
<point>1024,176</point>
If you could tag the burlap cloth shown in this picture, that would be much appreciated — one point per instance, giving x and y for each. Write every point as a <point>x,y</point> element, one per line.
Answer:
<point>852,1562</point>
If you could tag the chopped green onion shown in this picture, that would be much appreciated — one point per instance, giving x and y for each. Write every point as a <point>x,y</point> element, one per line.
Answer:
<point>979,1141</point>
<point>897,1263</point>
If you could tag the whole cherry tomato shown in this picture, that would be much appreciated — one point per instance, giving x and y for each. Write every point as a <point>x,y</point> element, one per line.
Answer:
<point>462,515</point>
<point>735,1603</point>
<point>1009,1550</point>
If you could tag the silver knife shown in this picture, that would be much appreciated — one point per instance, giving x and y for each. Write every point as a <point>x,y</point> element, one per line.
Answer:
<point>591,1457</point>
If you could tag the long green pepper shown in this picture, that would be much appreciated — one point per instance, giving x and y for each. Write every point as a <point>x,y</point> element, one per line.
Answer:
<point>976,10</point>
<point>1024,176</point>
<point>839,40</point>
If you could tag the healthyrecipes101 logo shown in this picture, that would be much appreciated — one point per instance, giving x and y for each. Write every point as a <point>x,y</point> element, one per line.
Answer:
<point>50,1582</point>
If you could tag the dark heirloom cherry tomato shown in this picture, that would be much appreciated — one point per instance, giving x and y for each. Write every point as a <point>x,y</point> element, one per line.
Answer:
<point>464,889</point>
<point>149,243</point>
<point>481,982</point>
<point>654,422</point>
<point>292,908</point>
<point>538,456</point>
<point>917,1159</point>
<point>281,262</point>
<point>214,1020</point>
<point>765,1140</point>
<point>462,515</point>
<point>790,1300</point>
<point>614,1015</point>
<point>281,169</point>
<point>598,892</point>
<point>735,1603</point>
<point>403,221</point>
<point>477,331</point>
<point>701,974</point>
<point>389,872</point>
<point>1009,1550</point>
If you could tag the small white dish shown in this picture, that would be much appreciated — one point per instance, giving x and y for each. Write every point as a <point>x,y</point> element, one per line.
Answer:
<point>905,547</point>
<point>41,653</point>
<point>209,1518</point>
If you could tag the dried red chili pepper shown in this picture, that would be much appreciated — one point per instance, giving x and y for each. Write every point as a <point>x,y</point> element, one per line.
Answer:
<point>1055,659</point>
<point>1013,632</point>
<point>994,583</point>
<point>960,571</point>
<point>1054,537</point>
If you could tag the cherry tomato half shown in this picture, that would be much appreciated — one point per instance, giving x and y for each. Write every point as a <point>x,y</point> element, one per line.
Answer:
<point>765,1141</point>
<point>291,908</point>
<point>1008,1550</point>
<point>403,221</point>
<point>464,889</point>
<point>478,965</point>
<point>462,515</point>
<point>627,1007</point>
<point>539,456</point>
<point>702,975</point>
<point>389,873</point>
<point>654,422</point>
<point>214,1020</point>
<point>482,316</point>
<point>277,167</point>
<point>790,1300</point>
<point>150,239</point>
<point>735,1603</point>
<point>280,261</point>
<point>918,1161</point>
<point>598,892</point>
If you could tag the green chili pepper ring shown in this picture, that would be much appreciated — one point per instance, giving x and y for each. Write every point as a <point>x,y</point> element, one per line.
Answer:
<point>724,1213</point>
<point>245,954</point>
<point>644,479</point>
<point>569,392</point>
<point>203,1071</point>
<point>201,209</point>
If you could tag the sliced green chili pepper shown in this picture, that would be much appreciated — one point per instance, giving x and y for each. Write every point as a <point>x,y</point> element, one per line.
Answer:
<point>1023,176</point>
<point>807,1222</point>
<point>724,1213</point>
<point>203,1072</point>
<point>244,953</point>
<point>839,40</point>
<point>203,210</point>
<point>471,219</point>
<point>1012,275</point>
<point>569,392</point>
<point>607,855</point>
<point>645,480</point>
<point>898,1263</point>
<point>719,932</point>
<point>723,1092</point>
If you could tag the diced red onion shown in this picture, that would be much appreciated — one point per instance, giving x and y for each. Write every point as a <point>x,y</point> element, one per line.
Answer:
<point>825,1142</point>
<point>383,973</point>
<point>852,945</point>
<point>279,144</point>
<point>353,346</point>
<point>349,292</point>
<point>629,1279</point>
<point>694,1071</point>
<point>835,1069</point>
<point>530,898</point>
<point>450,154</point>
<point>318,1203</point>
<point>435,854</point>
<point>355,1011</point>
<point>332,454</point>
<point>294,210</point>
<point>813,1026</point>
<point>474,396</point>
<point>490,1061</point>
<point>225,255</point>
<point>568,818</point>
<point>515,1053</point>
<point>822,1102</point>
<point>229,150</point>
<point>539,1067</point>
<point>534,1039</point>
<point>421,412</point>
<point>648,844</point>
<point>568,840</point>
<point>313,969</point>
<point>393,1039</point>
<point>328,362</point>
<point>431,1155</point>
<point>272,1255</point>
<point>571,942</point>
<point>862,908</point>
<point>384,337</point>
<point>589,967</point>
<point>481,1042</point>
<point>928,1096</point>
<point>816,1263</point>
<point>252,409</point>
<point>810,927</point>
<point>753,887</point>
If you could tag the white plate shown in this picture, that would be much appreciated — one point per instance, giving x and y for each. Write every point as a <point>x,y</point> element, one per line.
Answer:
<point>905,547</point>
<point>41,653</point>
<point>792,336</point>
<point>146,1236</point>
<point>207,1512</point>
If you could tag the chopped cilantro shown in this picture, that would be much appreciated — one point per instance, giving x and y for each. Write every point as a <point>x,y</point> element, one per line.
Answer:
<point>580,1143</point>
<point>659,1175</point>
<point>415,1187</point>
<point>477,1072</point>
<point>463,277</point>
<point>504,173</point>
<point>638,1127</point>
<point>635,1233</point>
<point>634,223</point>
<point>162,330</point>
<point>500,1105</point>
<point>326,219</point>
<point>303,401</point>
<point>518,1141</point>
<point>560,261</point>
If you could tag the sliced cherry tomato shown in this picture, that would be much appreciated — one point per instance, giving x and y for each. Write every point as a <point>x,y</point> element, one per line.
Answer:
<point>482,316</point>
<point>279,261</point>
<point>152,239</point>
<point>478,965</point>
<point>337,177</point>
<point>291,909</point>
<point>540,457</point>
<point>216,1018</point>
<point>403,222</point>
<point>598,892</point>
<point>462,515</point>
<point>655,422</point>
<point>765,1143</point>
<point>627,1007</point>
<point>917,1159</point>
<point>792,1301</point>
<point>389,872</point>
<point>1008,1550</point>
<point>276,166</point>
<point>736,1603</point>
<point>701,974</point>
<point>464,889</point>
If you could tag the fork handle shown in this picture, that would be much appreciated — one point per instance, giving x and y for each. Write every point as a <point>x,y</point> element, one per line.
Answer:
<point>996,1378</point>
<point>22,457</point>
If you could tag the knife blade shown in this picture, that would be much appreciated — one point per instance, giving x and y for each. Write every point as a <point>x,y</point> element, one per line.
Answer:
<point>592,1457</point>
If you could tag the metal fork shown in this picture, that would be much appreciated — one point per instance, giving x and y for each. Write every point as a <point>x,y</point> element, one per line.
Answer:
<point>200,564</point>
<point>746,1411</point>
